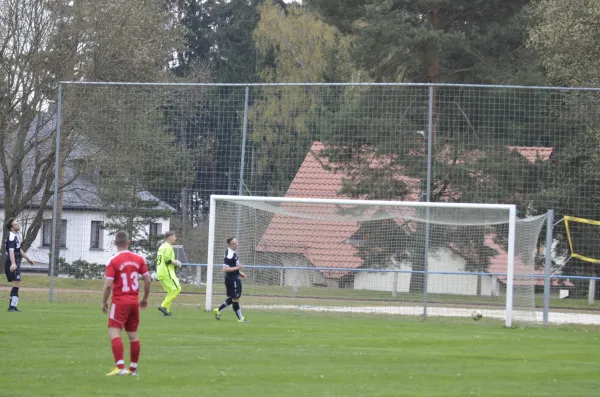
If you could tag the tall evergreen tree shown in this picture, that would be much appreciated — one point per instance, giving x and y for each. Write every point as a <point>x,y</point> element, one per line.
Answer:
<point>219,37</point>
<point>208,120</point>
<point>437,41</point>
<point>425,40</point>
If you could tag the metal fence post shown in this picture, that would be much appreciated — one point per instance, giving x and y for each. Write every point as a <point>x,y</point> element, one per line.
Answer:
<point>427,214</point>
<point>55,194</point>
<point>244,135</point>
<point>243,156</point>
<point>549,238</point>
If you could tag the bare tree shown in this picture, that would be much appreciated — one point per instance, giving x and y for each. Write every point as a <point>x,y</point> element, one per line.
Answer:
<point>45,41</point>
<point>26,134</point>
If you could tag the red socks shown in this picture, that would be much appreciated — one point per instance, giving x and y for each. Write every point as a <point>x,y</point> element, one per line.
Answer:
<point>117,350</point>
<point>134,355</point>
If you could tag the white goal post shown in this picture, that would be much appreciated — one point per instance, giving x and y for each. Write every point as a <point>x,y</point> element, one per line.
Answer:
<point>367,255</point>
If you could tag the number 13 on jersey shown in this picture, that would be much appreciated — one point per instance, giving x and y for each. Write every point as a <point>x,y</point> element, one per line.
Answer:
<point>135,284</point>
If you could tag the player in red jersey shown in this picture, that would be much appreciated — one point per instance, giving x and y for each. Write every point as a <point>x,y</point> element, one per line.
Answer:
<point>122,277</point>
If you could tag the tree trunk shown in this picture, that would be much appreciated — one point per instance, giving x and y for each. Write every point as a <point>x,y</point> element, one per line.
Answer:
<point>253,165</point>
<point>418,261</point>
<point>433,69</point>
<point>395,266</point>
<point>185,211</point>
<point>185,217</point>
<point>68,75</point>
<point>59,203</point>
<point>417,279</point>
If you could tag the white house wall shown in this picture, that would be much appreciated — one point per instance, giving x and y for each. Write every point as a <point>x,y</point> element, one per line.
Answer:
<point>442,260</point>
<point>297,278</point>
<point>79,228</point>
<point>384,281</point>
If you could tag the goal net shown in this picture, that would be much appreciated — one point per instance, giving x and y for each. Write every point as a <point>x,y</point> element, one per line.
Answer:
<point>388,257</point>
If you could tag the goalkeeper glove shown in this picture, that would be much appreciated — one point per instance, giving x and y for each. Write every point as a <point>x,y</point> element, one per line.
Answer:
<point>176,263</point>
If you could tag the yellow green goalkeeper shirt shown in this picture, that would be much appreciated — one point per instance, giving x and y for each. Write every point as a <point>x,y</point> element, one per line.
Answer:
<point>164,259</point>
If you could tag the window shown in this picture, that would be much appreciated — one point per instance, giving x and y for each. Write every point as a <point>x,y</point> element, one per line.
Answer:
<point>155,233</point>
<point>97,236</point>
<point>47,233</point>
<point>155,229</point>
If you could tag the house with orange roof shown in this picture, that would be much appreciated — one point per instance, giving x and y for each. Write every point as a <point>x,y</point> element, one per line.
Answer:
<point>328,244</point>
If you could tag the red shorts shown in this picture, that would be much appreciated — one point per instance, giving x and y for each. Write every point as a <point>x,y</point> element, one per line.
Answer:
<point>124,315</point>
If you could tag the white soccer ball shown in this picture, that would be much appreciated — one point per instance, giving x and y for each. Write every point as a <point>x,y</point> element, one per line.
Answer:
<point>476,315</point>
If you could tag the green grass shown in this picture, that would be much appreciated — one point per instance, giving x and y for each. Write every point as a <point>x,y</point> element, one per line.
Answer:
<point>331,296</point>
<point>62,350</point>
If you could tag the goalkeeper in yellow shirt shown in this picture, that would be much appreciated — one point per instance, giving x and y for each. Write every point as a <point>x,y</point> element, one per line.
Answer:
<point>165,271</point>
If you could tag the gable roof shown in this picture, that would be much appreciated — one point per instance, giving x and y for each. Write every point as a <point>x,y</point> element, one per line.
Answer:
<point>533,153</point>
<point>323,242</point>
<point>81,194</point>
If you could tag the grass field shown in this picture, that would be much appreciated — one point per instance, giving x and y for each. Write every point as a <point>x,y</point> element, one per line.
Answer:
<point>337,296</point>
<point>61,349</point>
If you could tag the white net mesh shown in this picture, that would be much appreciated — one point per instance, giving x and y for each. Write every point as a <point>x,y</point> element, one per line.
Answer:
<point>371,258</point>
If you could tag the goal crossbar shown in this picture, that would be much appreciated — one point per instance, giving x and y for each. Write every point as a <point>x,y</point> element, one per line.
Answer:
<point>415,204</point>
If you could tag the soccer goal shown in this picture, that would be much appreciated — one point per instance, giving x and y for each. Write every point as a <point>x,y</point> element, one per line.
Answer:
<point>366,256</point>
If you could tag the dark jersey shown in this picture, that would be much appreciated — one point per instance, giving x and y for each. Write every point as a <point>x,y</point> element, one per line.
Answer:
<point>231,260</point>
<point>12,243</point>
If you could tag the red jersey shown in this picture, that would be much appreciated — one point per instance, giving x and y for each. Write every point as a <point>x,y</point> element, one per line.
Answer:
<point>125,269</point>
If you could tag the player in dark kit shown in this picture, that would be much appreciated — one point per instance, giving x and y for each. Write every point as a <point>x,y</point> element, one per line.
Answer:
<point>233,280</point>
<point>12,262</point>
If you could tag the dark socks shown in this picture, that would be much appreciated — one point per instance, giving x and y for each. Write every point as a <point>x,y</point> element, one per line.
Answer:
<point>225,304</point>
<point>14,297</point>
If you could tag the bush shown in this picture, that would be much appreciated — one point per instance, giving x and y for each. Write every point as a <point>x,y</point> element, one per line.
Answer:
<point>81,269</point>
<point>58,265</point>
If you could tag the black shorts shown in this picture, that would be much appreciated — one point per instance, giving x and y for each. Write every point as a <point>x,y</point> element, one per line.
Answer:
<point>233,287</point>
<point>12,276</point>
